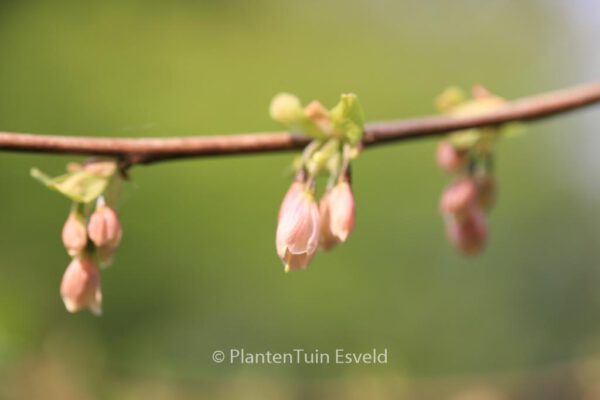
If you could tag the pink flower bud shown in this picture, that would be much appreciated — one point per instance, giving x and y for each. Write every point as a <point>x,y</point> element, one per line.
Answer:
<point>295,190</point>
<point>316,111</point>
<point>319,114</point>
<point>480,92</point>
<point>337,215</point>
<point>458,197</point>
<point>80,287</point>
<point>74,234</point>
<point>468,233</point>
<point>104,227</point>
<point>449,158</point>
<point>297,235</point>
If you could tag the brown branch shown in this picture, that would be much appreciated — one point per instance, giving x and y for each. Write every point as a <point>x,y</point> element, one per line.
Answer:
<point>149,150</point>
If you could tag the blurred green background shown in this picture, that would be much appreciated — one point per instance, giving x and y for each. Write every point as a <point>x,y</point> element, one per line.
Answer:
<point>197,269</point>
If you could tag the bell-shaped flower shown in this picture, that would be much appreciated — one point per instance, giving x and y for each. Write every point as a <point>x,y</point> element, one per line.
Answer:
<point>295,190</point>
<point>337,210</point>
<point>297,236</point>
<point>458,197</point>
<point>104,227</point>
<point>80,286</point>
<point>74,234</point>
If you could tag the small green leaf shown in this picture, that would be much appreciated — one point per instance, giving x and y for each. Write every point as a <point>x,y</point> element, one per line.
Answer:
<point>287,110</point>
<point>347,117</point>
<point>79,186</point>
<point>40,176</point>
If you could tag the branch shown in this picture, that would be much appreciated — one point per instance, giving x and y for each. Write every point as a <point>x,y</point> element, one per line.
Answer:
<point>133,151</point>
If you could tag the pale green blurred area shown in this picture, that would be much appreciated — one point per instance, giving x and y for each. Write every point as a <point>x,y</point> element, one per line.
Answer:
<point>197,270</point>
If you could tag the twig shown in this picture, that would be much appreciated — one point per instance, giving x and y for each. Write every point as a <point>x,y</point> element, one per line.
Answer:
<point>131,151</point>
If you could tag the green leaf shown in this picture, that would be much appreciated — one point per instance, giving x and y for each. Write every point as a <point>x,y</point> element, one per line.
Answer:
<point>347,117</point>
<point>79,186</point>
<point>40,176</point>
<point>287,110</point>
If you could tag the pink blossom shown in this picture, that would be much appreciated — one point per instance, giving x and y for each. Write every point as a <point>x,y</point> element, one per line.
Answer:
<point>337,211</point>
<point>80,287</point>
<point>297,234</point>
<point>459,196</point>
<point>74,234</point>
<point>293,192</point>
<point>104,227</point>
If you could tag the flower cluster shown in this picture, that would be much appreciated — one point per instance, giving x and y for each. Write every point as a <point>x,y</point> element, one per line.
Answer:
<point>468,156</point>
<point>89,245</point>
<point>305,224</point>
<point>90,234</point>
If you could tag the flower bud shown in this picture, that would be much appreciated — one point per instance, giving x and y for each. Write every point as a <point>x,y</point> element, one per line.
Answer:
<point>316,111</point>
<point>337,211</point>
<point>468,232</point>
<point>286,109</point>
<point>297,234</point>
<point>480,92</point>
<point>449,158</point>
<point>74,234</point>
<point>104,227</point>
<point>458,197</point>
<point>487,191</point>
<point>295,190</point>
<point>80,287</point>
<point>319,114</point>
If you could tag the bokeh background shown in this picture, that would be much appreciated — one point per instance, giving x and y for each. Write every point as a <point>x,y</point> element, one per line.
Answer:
<point>197,270</point>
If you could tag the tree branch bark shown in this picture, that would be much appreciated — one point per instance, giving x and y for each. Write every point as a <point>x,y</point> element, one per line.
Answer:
<point>133,151</point>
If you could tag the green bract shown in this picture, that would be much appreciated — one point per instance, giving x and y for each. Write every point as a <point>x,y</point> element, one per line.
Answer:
<point>287,110</point>
<point>344,121</point>
<point>347,117</point>
<point>336,133</point>
<point>79,186</point>
<point>453,103</point>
